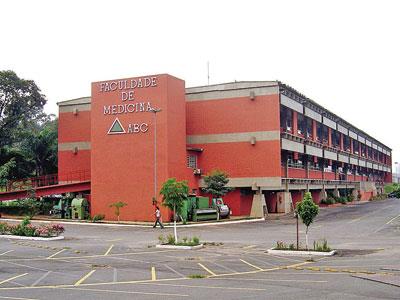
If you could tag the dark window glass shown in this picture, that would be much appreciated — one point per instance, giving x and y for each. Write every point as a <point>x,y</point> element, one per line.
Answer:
<point>286,118</point>
<point>309,127</point>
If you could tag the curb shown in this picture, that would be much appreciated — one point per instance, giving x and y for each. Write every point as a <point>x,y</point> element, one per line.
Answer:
<point>140,226</point>
<point>300,253</point>
<point>31,238</point>
<point>180,247</point>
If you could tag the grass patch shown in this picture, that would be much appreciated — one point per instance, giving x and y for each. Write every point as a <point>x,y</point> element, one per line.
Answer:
<point>185,241</point>
<point>319,246</point>
<point>197,276</point>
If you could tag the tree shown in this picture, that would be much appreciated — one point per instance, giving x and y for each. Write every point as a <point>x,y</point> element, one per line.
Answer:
<point>118,205</point>
<point>20,101</point>
<point>5,170</point>
<point>39,145</point>
<point>174,194</point>
<point>215,183</point>
<point>307,210</point>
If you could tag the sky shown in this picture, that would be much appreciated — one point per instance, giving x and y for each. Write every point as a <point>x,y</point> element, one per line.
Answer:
<point>345,55</point>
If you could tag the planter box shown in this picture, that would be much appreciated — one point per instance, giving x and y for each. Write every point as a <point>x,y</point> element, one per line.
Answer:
<point>31,238</point>
<point>300,253</point>
<point>163,246</point>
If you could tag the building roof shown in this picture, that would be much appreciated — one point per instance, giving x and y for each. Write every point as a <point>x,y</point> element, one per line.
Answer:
<point>82,100</point>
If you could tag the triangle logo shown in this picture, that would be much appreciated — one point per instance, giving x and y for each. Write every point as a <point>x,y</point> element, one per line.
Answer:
<point>116,127</point>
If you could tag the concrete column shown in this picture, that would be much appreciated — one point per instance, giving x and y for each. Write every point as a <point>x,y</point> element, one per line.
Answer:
<point>295,122</point>
<point>329,136</point>
<point>284,204</point>
<point>341,142</point>
<point>351,145</point>
<point>336,192</point>
<point>323,195</point>
<point>314,130</point>
<point>258,206</point>
<point>355,194</point>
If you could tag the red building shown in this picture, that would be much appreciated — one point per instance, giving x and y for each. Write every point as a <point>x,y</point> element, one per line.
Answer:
<point>274,143</point>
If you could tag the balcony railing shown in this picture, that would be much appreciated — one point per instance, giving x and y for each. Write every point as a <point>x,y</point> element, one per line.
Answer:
<point>45,180</point>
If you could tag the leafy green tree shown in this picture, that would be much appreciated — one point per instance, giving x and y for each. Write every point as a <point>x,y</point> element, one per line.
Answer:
<point>174,194</point>
<point>20,101</point>
<point>118,205</point>
<point>215,183</point>
<point>40,146</point>
<point>5,170</point>
<point>392,187</point>
<point>16,162</point>
<point>307,210</point>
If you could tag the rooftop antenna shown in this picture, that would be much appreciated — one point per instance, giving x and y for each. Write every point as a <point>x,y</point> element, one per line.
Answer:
<point>208,73</point>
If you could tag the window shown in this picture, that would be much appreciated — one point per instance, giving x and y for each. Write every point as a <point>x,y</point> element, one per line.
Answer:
<point>191,161</point>
<point>346,142</point>
<point>300,124</point>
<point>325,134</point>
<point>336,138</point>
<point>356,147</point>
<point>309,128</point>
<point>319,131</point>
<point>286,118</point>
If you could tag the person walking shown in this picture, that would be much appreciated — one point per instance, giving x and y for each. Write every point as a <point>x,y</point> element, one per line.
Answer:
<point>157,213</point>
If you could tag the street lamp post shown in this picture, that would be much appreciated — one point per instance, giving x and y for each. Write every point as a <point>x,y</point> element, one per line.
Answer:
<point>155,111</point>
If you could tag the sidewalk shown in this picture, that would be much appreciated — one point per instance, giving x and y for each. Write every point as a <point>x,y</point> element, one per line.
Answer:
<point>44,219</point>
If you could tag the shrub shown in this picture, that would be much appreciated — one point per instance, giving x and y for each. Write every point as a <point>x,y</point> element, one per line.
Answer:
<point>98,217</point>
<point>280,245</point>
<point>350,197</point>
<point>57,229</point>
<point>382,196</point>
<point>4,228</point>
<point>329,200</point>
<point>322,246</point>
<point>161,239</point>
<point>342,200</point>
<point>26,221</point>
<point>25,228</point>
<point>170,239</point>
<point>196,240</point>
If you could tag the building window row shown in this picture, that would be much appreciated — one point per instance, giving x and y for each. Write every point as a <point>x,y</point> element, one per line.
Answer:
<point>310,129</point>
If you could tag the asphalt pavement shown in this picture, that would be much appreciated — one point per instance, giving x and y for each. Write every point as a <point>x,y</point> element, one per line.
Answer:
<point>112,262</point>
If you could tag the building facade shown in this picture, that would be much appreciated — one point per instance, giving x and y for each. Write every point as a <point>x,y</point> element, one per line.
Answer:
<point>275,144</point>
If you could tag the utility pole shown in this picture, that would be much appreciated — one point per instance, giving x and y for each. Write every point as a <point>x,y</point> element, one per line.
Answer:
<point>208,73</point>
<point>155,111</point>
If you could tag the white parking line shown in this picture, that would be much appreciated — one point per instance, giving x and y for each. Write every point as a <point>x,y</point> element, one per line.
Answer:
<point>4,253</point>
<point>387,223</point>
<point>84,278</point>
<point>41,278</point>
<point>207,269</point>
<point>109,250</point>
<point>124,292</point>
<point>58,252</point>
<point>392,220</point>
<point>176,272</point>
<point>115,275</point>
<point>14,298</point>
<point>251,265</point>
<point>12,278</point>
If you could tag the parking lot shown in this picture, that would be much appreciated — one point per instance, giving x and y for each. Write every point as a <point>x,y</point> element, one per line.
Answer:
<point>121,262</point>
